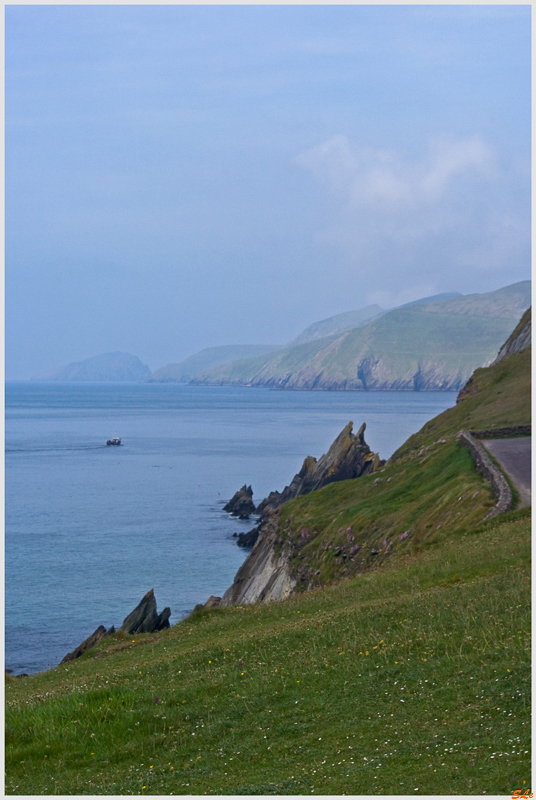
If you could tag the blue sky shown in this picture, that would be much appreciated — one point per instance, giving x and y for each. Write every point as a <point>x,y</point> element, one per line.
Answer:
<point>179,177</point>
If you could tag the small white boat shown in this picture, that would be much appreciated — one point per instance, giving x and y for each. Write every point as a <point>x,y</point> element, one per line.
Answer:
<point>114,441</point>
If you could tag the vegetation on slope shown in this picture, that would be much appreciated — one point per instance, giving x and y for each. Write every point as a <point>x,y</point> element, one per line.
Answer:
<point>427,491</point>
<point>423,347</point>
<point>410,680</point>
<point>209,358</point>
<point>497,395</point>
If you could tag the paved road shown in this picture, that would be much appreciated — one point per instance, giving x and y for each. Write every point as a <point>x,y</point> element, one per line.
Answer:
<point>514,457</point>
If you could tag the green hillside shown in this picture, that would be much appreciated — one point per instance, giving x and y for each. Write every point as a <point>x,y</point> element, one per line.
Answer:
<point>209,358</point>
<point>411,676</point>
<point>337,324</point>
<point>245,370</point>
<point>420,347</point>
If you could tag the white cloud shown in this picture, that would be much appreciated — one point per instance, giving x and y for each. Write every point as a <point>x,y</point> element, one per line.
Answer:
<point>453,209</point>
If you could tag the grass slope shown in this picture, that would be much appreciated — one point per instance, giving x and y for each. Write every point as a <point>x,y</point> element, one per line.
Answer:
<point>209,358</point>
<point>499,395</point>
<point>285,361</point>
<point>409,679</point>
<point>442,341</point>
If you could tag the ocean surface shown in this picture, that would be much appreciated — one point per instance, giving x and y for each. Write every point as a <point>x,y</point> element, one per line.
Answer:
<point>90,528</point>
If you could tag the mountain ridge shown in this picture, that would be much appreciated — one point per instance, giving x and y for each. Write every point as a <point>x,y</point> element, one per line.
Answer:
<point>429,346</point>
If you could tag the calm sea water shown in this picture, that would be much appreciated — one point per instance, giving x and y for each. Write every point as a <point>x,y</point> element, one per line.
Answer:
<point>90,529</point>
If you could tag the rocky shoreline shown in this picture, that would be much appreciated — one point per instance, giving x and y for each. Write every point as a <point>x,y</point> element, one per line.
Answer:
<point>265,575</point>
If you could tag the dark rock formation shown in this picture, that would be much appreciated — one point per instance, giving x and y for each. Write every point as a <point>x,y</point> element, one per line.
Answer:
<point>348,457</point>
<point>91,641</point>
<point>241,505</point>
<point>248,539</point>
<point>212,602</point>
<point>144,618</point>
<point>265,574</point>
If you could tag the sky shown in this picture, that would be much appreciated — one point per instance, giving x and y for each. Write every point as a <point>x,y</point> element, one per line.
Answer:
<point>179,177</point>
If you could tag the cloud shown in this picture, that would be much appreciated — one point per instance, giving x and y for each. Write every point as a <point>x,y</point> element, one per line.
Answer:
<point>453,208</point>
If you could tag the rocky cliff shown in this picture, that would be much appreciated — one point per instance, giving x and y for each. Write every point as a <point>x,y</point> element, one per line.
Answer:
<point>520,338</point>
<point>266,574</point>
<point>433,346</point>
<point>348,457</point>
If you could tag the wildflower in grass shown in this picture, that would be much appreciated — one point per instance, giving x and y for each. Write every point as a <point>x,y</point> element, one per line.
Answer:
<point>404,536</point>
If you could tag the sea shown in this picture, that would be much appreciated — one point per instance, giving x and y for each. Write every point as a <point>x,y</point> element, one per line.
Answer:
<point>89,528</point>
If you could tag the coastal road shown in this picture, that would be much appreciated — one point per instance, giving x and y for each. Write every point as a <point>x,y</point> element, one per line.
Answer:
<point>514,457</point>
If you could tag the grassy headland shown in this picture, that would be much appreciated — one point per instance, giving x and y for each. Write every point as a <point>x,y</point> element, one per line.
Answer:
<point>412,678</point>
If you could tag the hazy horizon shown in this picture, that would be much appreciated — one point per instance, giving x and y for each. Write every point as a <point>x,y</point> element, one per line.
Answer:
<point>181,177</point>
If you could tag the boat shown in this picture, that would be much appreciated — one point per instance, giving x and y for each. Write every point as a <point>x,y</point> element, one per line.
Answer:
<point>114,441</point>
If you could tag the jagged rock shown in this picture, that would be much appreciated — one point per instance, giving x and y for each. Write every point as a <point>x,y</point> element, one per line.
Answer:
<point>212,602</point>
<point>264,576</point>
<point>248,539</point>
<point>266,573</point>
<point>91,641</point>
<point>144,618</point>
<point>241,505</point>
<point>348,457</point>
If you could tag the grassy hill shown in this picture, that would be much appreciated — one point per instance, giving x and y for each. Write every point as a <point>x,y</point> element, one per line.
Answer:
<point>206,359</point>
<point>410,677</point>
<point>337,324</point>
<point>419,347</point>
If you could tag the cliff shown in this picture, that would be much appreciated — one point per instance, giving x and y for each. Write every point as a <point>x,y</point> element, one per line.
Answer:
<point>428,490</point>
<point>265,575</point>
<point>348,457</point>
<point>209,358</point>
<point>430,346</point>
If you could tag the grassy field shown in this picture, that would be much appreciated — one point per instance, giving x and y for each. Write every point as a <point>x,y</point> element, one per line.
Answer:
<point>406,672</point>
<point>413,679</point>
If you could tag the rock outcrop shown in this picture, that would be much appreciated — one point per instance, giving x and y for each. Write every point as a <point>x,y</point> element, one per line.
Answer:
<point>241,505</point>
<point>88,643</point>
<point>520,338</point>
<point>144,618</point>
<point>247,539</point>
<point>265,574</point>
<point>348,457</point>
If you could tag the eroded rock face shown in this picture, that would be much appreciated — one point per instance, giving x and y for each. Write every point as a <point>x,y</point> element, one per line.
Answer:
<point>144,618</point>
<point>265,574</point>
<point>88,643</point>
<point>520,339</point>
<point>348,457</point>
<point>241,505</point>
